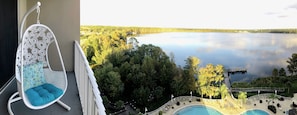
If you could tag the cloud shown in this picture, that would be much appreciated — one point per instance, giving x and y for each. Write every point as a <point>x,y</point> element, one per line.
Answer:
<point>283,16</point>
<point>262,54</point>
<point>246,14</point>
<point>294,6</point>
<point>271,13</point>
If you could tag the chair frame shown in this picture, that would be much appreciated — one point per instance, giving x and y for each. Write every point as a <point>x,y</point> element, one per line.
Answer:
<point>19,71</point>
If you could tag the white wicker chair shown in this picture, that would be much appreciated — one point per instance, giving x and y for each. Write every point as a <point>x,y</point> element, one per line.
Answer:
<point>34,50</point>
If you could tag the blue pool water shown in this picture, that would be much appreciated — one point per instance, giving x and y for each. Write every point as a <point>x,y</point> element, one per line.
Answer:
<point>255,112</point>
<point>198,109</point>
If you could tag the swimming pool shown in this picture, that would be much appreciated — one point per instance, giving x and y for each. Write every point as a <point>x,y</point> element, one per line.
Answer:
<point>255,112</point>
<point>198,109</point>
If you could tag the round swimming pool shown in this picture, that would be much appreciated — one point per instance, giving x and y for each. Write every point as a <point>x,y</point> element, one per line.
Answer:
<point>255,112</point>
<point>198,109</point>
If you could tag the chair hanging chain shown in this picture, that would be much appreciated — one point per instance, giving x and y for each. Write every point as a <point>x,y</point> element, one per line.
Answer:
<point>38,12</point>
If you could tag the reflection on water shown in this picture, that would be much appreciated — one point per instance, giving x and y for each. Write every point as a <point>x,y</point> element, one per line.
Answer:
<point>259,53</point>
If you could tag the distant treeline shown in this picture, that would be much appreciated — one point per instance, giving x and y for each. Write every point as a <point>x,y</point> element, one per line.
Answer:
<point>282,31</point>
<point>148,30</point>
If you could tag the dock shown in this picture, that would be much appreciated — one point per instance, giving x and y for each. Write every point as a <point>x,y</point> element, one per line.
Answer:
<point>227,73</point>
<point>236,70</point>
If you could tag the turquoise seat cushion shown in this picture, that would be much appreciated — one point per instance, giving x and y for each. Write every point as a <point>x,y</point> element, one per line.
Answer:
<point>43,94</point>
<point>33,75</point>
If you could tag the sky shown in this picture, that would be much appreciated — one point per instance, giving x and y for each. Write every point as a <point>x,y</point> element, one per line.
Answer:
<point>200,14</point>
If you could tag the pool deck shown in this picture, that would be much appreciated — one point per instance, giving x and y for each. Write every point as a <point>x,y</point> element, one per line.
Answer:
<point>228,106</point>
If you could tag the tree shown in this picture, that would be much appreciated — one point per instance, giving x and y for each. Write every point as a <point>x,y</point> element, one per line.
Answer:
<point>219,72</point>
<point>289,85</point>
<point>192,65</point>
<point>191,71</point>
<point>274,72</point>
<point>144,74</point>
<point>272,96</point>
<point>212,91</point>
<point>158,92</point>
<point>209,80</point>
<point>282,72</point>
<point>97,43</point>
<point>292,67</point>
<point>111,84</point>
<point>242,96</point>
<point>106,102</point>
<point>223,91</point>
<point>141,95</point>
<point>171,55</point>
<point>179,83</point>
<point>202,82</point>
<point>132,43</point>
<point>109,81</point>
<point>119,104</point>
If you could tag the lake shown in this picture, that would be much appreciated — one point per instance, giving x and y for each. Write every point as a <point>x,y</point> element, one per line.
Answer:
<point>259,53</point>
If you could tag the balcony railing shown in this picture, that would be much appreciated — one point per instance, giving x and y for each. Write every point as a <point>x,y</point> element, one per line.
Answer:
<point>89,93</point>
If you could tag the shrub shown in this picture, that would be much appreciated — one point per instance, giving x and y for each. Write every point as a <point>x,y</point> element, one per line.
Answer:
<point>272,108</point>
<point>160,112</point>
<point>260,101</point>
<point>119,104</point>
<point>137,110</point>
<point>178,103</point>
<point>278,105</point>
<point>294,105</point>
<point>198,100</point>
<point>281,99</point>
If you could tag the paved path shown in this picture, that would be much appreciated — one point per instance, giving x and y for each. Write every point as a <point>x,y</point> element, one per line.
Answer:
<point>129,110</point>
<point>227,81</point>
<point>256,89</point>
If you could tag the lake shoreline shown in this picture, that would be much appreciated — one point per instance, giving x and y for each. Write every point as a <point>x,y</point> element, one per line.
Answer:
<point>258,53</point>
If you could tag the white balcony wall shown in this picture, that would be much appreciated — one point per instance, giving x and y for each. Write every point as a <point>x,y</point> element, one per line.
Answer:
<point>91,101</point>
<point>63,17</point>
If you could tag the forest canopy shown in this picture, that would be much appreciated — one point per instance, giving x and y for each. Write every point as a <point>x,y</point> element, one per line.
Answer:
<point>144,75</point>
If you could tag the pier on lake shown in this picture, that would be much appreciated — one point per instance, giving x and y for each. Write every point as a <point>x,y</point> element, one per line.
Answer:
<point>232,71</point>
<point>236,70</point>
<point>251,89</point>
